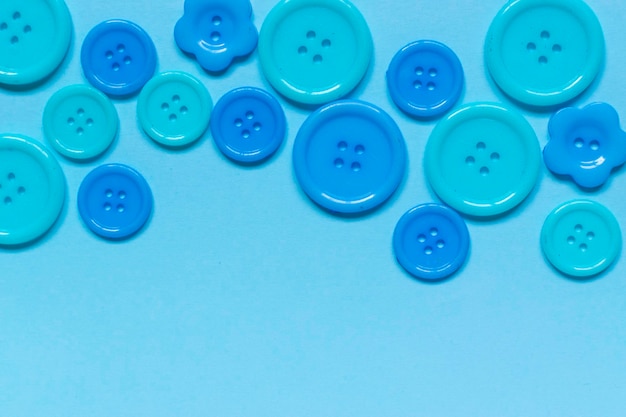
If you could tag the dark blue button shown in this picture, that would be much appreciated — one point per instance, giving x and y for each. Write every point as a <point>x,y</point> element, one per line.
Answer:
<point>425,79</point>
<point>349,156</point>
<point>114,201</point>
<point>431,241</point>
<point>118,57</point>
<point>248,124</point>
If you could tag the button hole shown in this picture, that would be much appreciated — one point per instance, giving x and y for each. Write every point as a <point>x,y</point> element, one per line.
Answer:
<point>434,232</point>
<point>421,238</point>
<point>338,162</point>
<point>356,167</point>
<point>428,250</point>
<point>27,29</point>
<point>302,50</point>
<point>310,34</point>
<point>217,20</point>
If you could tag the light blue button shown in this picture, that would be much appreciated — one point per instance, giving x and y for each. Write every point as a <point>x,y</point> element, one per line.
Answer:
<point>349,156</point>
<point>544,52</point>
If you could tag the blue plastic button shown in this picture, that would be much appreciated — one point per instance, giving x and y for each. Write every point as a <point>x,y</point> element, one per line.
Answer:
<point>248,124</point>
<point>544,52</point>
<point>315,51</point>
<point>431,241</point>
<point>585,144</point>
<point>216,32</point>
<point>483,159</point>
<point>32,190</point>
<point>80,122</point>
<point>118,57</point>
<point>425,79</point>
<point>114,201</point>
<point>581,238</point>
<point>349,156</point>
<point>34,38</point>
<point>174,109</point>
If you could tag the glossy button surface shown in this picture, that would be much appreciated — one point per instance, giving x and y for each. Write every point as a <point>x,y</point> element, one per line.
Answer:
<point>32,189</point>
<point>585,144</point>
<point>34,38</point>
<point>483,159</point>
<point>118,57</point>
<point>248,124</point>
<point>174,109</point>
<point>114,201</point>
<point>80,122</point>
<point>315,51</point>
<point>431,241</point>
<point>581,238</point>
<point>349,156</point>
<point>425,79</point>
<point>216,31</point>
<point>544,52</point>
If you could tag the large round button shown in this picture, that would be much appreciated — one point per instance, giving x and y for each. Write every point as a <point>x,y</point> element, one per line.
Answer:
<point>216,32</point>
<point>32,190</point>
<point>544,52</point>
<point>483,159</point>
<point>315,51</point>
<point>431,241</point>
<point>80,122</point>
<point>34,38</point>
<point>425,79</point>
<point>114,201</point>
<point>581,238</point>
<point>174,109</point>
<point>349,156</point>
<point>248,124</point>
<point>118,57</point>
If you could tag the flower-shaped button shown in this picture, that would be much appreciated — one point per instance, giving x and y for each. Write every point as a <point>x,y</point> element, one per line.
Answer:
<point>425,79</point>
<point>118,57</point>
<point>581,238</point>
<point>349,156</point>
<point>544,52</point>
<point>586,144</point>
<point>431,241</point>
<point>315,51</point>
<point>114,201</point>
<point>32,190</point>
<point>216,32</point>
<point>34,38</point>
<point>80,122</point>
<point>248,124</point>
<point>174,109</point>
<point>483,159</point>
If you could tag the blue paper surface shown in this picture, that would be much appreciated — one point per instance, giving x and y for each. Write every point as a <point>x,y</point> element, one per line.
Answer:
<point>243,298</point>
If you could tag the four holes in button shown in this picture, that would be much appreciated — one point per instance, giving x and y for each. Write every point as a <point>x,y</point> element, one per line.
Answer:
<point>545,46</point>
<point>251,125</point>
<point>79,123</point>
<point>481,148</point>
<point>173,116</point>
<point>311,37</point>
<point>21,190</point>
<point>584,238</point>
<point>424,238</point>
<point>108,205</point>
<point>120,49</point>
<point>343,147</point>
<point>425,78</point>
<point>26,29</point>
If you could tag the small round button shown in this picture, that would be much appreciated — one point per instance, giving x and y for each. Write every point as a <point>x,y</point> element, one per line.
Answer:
<point>483,159</point>
<point>216,32</point>
<point>34,38</point>
<point>80,122</point>
<point>118,57</point>
<point>315,51</point>
<point>585,144</point>
<point>32,190</point>
<point>544,52</point>
<point>431,241</point>
<point>581,238</point>
<point>174,109</point>
<point>248,124</point>
<point>114,201</point>
<point>425,79</point>
<point>349,156</point>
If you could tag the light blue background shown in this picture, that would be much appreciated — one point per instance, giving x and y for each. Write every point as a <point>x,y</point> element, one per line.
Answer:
<point>242,298</point>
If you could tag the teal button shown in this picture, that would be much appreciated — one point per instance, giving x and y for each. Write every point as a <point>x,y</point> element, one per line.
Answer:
<point>544,52</point>
<point>315,51</point>
<point>174,109</point>
<point>483,159</point>
<point>34,38</point>
<point>581,238</point>
<point>80,122</point>
<point>32,189</point>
